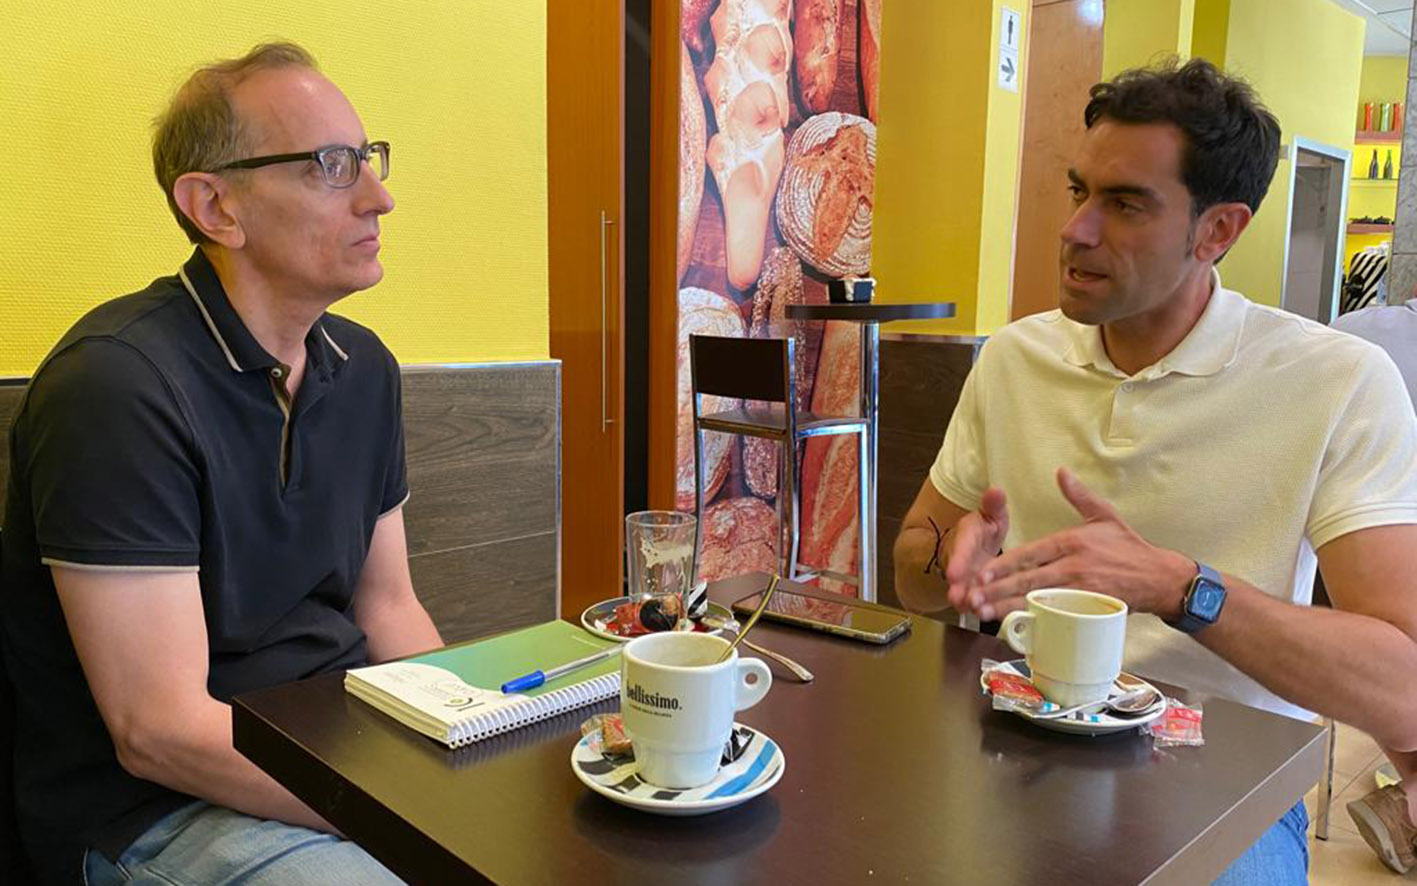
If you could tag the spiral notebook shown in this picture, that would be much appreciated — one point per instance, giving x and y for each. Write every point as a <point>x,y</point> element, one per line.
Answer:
<point>450,694</point>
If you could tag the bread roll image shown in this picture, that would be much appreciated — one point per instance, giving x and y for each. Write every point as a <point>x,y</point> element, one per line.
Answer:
<point>693,135</point>
<point>702,312</point>
<point>816,47</point>
<point>692,16</point>
<point>825,203</point>
<point>740,535</point>
<point>747,87</point>
<point>868,51</point>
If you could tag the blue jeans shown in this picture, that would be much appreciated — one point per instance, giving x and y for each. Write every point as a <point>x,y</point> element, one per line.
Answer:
<point>205,845</point>
<point>1280,857</point>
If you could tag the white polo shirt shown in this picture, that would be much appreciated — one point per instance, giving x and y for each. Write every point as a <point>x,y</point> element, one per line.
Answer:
<point>1259,438</point>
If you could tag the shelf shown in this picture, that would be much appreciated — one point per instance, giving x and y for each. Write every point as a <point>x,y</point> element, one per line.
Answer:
<point>1369,229</point>
<point>1372,181</point>
<point>1377,138</point>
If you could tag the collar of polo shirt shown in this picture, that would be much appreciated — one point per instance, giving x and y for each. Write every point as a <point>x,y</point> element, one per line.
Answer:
<point>1209,347</point>
<point>240,348</point>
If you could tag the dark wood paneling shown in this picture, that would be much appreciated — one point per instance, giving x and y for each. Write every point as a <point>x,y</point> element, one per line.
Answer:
<point>482,453</point>
<point>920,384</point>
<point>486,589</point>
<point>482,518</point>
<point>11,392</point>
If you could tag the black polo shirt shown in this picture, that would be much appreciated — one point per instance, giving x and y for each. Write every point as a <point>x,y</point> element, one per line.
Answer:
<point>155,437</point>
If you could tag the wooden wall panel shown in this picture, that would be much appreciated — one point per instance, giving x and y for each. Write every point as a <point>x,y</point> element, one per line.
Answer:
<point>483,513</point>
<point>921,380</point>
<point>1065,60</point>
<point>11,391</point>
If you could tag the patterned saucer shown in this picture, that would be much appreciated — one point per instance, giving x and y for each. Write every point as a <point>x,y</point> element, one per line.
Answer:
<point>1100,722</point>
<point>758,765</point>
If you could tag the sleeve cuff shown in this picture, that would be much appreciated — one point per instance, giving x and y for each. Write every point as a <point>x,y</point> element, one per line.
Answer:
<point>110,567</point>
<point>952,491</point>
<point>1367,517</point>
<point>401,503</point>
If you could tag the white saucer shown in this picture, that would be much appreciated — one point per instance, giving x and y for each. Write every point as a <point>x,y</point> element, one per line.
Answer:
<point>594,617</point>
<point>758,768</point>
<point>1100,723</point>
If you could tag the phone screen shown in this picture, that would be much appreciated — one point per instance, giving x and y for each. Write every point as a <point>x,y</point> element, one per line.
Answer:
<point>844,615</point>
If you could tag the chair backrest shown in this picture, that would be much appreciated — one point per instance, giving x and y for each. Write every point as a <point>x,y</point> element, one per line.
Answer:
<point>742,368</point>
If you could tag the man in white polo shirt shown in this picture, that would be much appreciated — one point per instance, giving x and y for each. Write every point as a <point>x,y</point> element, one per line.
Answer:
<point>1164,440</point>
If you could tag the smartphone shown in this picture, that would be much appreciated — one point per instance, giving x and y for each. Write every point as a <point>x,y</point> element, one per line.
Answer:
<point>846,618</point>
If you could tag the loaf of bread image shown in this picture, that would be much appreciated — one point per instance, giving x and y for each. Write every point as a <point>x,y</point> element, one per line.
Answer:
<point>693,14</point>
<point>747,87</point>
<point>816,47</point>
<point>702,312</point>
<point>740,535</point>
<point>868,51</point>
<point>693,136</point>
<point>825,203</point>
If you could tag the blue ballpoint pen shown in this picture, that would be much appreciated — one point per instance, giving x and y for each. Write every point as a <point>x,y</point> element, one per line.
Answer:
<point>536,678</point>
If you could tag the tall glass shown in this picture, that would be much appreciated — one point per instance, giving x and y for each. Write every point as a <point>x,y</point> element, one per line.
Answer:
<point>659,554</point>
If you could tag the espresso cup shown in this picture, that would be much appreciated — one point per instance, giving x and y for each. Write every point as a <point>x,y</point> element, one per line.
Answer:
<point>1073,642</point>
<point>677,701</point>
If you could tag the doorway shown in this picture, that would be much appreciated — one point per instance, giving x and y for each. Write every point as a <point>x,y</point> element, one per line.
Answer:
<point>1313,252</point>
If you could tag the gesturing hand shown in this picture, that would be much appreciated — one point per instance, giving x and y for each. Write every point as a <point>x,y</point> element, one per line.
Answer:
<point>976,539</point>
<point>1104,554</point>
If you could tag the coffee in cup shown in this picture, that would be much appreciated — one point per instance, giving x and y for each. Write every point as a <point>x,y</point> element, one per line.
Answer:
<point>677,701</point>
<point>1073,641</point>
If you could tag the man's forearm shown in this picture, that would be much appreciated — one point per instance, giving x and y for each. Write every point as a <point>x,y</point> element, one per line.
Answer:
<point>918,590</point>
<point>191,751</point>
<point>1355,668</point>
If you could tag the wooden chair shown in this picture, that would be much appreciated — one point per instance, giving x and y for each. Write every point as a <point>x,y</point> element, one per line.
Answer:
<point>760,372</point>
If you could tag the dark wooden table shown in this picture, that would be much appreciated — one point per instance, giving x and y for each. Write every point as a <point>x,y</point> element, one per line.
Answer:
<point>897,771</point>
<point>870,316</point>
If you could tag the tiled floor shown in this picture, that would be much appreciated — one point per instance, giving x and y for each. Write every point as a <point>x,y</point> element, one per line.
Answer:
<point>1344,859</point>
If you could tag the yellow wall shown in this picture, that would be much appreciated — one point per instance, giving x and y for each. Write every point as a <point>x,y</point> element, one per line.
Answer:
<point>1304,57</point>
<point>1210,30</point>
<point>1139,32</point>
<point>947,163</point>
<point>1384,80</point>
<point>457,87</point>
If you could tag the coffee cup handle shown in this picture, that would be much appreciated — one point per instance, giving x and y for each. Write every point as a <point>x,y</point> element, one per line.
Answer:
<point>749,694</point>
<point>1016,631</point>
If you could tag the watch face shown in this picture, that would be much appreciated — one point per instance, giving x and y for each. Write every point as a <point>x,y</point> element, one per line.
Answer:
<point>1206,600</point>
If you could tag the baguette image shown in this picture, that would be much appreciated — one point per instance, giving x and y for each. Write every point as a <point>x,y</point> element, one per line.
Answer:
<point>868,51</point>
<point>827,197</point>
<point>816,46</point>
<point>692,137</point>
<point>702,312</point>
<point>747,86</point>
<point>830,520</point>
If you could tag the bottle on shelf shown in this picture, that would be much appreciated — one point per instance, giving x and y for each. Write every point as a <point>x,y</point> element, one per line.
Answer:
<point>1397,117</point>
<point>1386,122</point>
<point>1368,117</point>
<point>1387,166</point>
<point>1373,167</point>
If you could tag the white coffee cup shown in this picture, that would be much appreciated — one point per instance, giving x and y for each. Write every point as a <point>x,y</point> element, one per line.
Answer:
<point>678,700</point>
<point>1073,641</point>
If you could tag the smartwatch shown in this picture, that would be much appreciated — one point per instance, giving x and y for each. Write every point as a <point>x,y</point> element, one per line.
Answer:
<point>1204,600</point>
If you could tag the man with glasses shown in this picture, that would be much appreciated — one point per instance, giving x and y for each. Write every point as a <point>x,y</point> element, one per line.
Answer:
<point>205,495</point>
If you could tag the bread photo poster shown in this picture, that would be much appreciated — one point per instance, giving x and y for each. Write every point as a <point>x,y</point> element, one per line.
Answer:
<point>777,156</point>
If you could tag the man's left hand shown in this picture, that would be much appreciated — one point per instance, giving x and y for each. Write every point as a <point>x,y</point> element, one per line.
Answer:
<point>1104,554</point>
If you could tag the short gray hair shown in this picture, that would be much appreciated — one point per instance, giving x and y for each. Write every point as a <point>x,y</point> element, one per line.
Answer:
<point>200,131</point>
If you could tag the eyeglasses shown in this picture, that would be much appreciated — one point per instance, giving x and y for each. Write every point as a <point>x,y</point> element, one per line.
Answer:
<point>339,164</point>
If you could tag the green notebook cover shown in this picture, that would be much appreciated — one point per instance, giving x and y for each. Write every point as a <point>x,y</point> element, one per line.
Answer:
<point>489,663</point>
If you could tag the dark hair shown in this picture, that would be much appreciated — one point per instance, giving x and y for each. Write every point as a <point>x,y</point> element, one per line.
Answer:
<point>1232,140</point>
